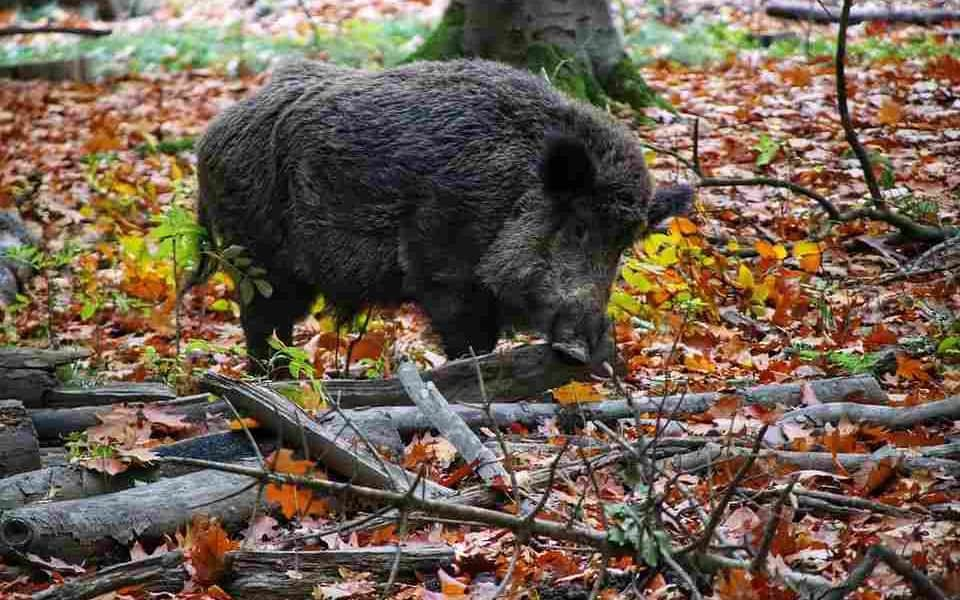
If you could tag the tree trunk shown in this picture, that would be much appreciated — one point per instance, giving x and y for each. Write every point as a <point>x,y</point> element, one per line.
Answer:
<point>574,43</point>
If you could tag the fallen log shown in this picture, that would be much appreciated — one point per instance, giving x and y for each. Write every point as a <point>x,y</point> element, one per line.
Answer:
<point>54,424</point>
<point>27,374</point>
<point>104,526</point>
<point>70,481</point>
<point>408,420</point>
<point>820,461</point>
<point>432,403</point>
<point>523,372</point>
<point>106,394</point>
<point>267,575</point>
<point>19,449</point>
<point>160,574</point>
<point>886,416</point>
<point>819,14</point>
<point>329,442</point>
<point>61,482</point>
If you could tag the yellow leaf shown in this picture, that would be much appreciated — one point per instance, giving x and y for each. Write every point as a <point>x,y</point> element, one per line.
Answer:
<point>667,257</point>
<point>808,255</point>
<point>576,392</point>
<point>649,157</point>
<point>745,277</point>
<point>175,173</point>
<point>890,112</point>
<point>699,362</point>
<point>124,189</point>
<point>767,250</point>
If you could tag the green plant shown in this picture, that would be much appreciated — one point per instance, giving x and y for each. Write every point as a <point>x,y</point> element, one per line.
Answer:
<point>80,448</point>
<point>767,149</point>
<point>49,265</point>
<point>630,528</point>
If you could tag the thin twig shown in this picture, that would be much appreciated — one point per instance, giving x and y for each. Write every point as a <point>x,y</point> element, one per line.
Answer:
<point>851,134</point>
<point>706,537</point>
<point>760,560</point>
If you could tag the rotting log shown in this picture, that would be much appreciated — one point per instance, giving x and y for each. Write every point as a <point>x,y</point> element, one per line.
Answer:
<point>69,482</point>
<point>103,527</point>
<point>820,14</point>
<point>821,461</point>
<point>163,573</point>
<point>53,425</point>
<point>19,449</point>
<point>106,394</point>
<point>524,372</point>
<point>266,575</point>
<point>27,374</point>
<point>328,442</point>
<point>408,420</point>
<point>30,375</point>
<point>886,416</point>
<point>61,482</point>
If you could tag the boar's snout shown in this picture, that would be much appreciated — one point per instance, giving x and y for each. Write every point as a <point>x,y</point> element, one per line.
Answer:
<point>582,335</point>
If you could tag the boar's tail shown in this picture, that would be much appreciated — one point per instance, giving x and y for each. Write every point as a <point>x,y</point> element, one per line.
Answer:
<point>668,202</point>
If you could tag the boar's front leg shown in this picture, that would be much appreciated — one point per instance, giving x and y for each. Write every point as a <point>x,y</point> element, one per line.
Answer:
<point>465,318</point>
<point>263,316</point>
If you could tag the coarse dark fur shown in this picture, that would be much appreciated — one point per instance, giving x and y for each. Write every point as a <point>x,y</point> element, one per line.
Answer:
<point>472,188</point>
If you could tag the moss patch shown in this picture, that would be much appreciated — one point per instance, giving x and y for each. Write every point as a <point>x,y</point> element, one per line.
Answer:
<point>567,73</point>
<point>446,40</point>
<point>628,86</point>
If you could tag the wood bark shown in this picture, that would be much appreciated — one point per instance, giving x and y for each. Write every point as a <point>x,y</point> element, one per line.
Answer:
<point>53,425</point>
<point>19,449</point>
<point>450,425</point>
<point>506,30</point>
<point>408,420</point>
<point>894,418</point>
<point>818,14</point>
<point>70,482</point>
<point>27,374</point>
<point>328,442</point>
<point>157,574</point>
<point>265,575</point>
<point>112,393</point>
<point>821,461</point>
<point>104,527</point>
<point>508,376</point>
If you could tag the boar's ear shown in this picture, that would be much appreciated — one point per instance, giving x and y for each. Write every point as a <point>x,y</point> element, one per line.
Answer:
<point>669,202</point>
<point>567,166</point>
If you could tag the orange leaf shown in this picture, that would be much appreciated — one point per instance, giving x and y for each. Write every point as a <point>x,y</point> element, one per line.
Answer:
<point>208,553</point>
<point>880,336</point>
<point>699,362</point>
<point>459,474</point>
<point>876,476</point>
<point>808,255</point>
<point>576,392</point>
<point>450,586</point>
<point>890,113</point>
<point>797,75</point>
<point>238,425</point>
<point>911,368</point>
<point>684,226</point>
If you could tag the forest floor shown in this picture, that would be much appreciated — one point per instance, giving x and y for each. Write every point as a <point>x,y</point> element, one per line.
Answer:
<point>755,287</point>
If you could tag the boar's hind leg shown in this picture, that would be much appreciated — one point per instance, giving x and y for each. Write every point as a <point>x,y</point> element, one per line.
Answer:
<point>464,319</point>
<point>263,316</point>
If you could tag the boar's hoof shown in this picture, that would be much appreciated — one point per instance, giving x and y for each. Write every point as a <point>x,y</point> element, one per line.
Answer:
<point>576,352</point>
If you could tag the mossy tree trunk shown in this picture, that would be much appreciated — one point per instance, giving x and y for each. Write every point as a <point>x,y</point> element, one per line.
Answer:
<point>574,43</point>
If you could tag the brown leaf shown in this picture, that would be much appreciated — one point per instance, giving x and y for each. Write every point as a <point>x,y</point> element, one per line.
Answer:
<point>208,553</point>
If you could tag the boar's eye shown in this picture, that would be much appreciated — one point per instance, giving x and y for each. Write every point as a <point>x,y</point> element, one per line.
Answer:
<point>580,230</point>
